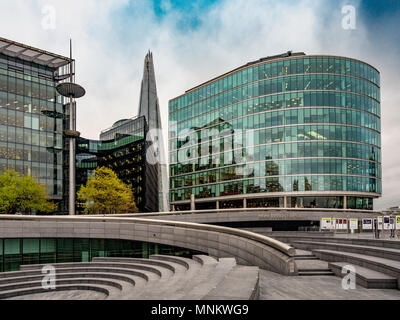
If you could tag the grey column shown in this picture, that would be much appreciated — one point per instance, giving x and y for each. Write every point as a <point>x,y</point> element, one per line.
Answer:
<point>285,201</point>
<point>244,203</point>
<point>344,202</point>
<point>71,160</point>
<point>217,204</point>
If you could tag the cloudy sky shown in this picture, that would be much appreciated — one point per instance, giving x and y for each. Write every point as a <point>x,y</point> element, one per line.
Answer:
<point>193,41</point>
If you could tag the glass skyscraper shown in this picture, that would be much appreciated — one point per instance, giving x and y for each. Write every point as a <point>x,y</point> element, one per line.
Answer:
<point>132,148</point>
<point>32,115</point>
<point>122,148</point>
<point>292,130</point>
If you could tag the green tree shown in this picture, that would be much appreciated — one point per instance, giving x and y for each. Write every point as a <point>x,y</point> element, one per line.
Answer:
<point>104,193</point>
<point>23,193</point>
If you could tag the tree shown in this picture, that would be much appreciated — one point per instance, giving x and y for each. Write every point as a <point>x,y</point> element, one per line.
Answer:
<point>104,193</point>
<point>23,193</point>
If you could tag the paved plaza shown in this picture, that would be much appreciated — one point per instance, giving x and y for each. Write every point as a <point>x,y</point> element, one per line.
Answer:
<point>274,286</point>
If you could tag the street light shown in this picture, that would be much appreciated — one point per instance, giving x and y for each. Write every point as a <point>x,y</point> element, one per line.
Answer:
<point>72,91</point>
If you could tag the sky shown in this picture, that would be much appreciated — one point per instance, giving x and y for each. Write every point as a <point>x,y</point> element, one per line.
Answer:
<point>194,41</point>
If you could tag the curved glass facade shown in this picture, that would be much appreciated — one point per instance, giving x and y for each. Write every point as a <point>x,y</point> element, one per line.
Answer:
<point>292,131</point>
<point>23,251</point>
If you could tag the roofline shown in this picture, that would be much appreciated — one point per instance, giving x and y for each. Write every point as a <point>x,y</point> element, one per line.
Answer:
<point>262,61</point>
<point>34,59</point>
<point>124,122</point>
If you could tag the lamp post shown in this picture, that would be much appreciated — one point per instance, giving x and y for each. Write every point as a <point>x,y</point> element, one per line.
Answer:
<point>72,91</point>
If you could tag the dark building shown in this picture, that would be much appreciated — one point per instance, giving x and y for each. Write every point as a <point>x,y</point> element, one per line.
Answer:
<point>129,149</point>
<point>123,151</point>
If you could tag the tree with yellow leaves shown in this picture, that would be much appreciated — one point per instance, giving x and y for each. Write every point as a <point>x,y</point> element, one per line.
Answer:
<point>19,193</point>
<point>105,193</point>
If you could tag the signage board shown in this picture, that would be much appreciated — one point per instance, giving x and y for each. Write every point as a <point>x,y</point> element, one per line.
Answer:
<point>326,223</point>
<point>392,224</point>
<point>379,222</point>
<point>398,222</point>
<point>386,223</point>
<point>367,224</point>
<point>353,224</point>
<point>345,224</point>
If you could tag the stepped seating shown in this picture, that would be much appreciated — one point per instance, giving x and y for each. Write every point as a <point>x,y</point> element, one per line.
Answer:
<point>366,278</point>
<point>381,252</point>
<point>377,262</point>
<point>381,265</point>
<point>159,277</point>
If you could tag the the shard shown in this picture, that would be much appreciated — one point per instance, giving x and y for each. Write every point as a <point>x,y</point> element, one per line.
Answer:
<point>156,170</point>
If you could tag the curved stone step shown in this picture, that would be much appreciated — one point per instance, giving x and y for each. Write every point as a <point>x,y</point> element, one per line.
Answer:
<point>204,259</point>
<point>160,277</point>
<point>164,264</point>
<point>186,262</point>
<point>130,280</point>
<point>159,271</point>
<point>69,281</point>
<point>186,271</point>
<point>365,277</point>
<point>40,289</point>
<point>208,278</point>
<point>382,252</point>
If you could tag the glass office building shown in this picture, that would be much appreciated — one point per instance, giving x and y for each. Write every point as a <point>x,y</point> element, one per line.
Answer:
<point>122,148</point>
<point>32,114</point>
<point>130,148</point>
<point>292,130</point>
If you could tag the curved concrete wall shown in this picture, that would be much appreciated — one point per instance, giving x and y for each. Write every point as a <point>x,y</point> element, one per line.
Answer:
<point>247,247</point>
<point>255,214</point>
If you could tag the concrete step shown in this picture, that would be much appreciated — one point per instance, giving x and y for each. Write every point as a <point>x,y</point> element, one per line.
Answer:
<point>365,277</point>
<point>122,278</point>
<point>208,278</point>
<point>241,283</point>
<point>315,273</point>
<point>187,270</point>
<point>305,258</point>
<point>160,277</point>
<point>186,262</point>
<point>152,262</point>
<point>381,252</point>
<point>39,289</point>
<point>386,266</point>
<point>203,259</point>
<point>113,287</point>
<point>160,271</point>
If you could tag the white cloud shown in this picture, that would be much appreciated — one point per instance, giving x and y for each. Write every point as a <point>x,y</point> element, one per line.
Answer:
<point>111,38</point>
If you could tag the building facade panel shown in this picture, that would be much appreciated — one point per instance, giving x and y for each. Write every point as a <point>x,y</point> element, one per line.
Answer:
<point>31,122</point>
<point>303,128</point>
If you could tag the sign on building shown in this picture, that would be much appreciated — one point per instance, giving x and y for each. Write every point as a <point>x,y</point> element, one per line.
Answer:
<point>326,223</point>
<point>398,222</point>
<point>367,224</point>
<point>353,224</point>
<point>386,223</point>
<point>380,223</point>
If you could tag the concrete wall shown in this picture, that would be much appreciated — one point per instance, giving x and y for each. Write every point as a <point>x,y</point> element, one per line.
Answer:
<point>256,214</point>
<point>248,248</point>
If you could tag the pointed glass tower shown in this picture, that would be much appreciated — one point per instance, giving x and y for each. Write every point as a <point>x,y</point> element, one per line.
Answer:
<point>156,168</point>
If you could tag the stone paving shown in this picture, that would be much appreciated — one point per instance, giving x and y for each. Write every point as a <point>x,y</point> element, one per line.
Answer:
<point>274,286</point>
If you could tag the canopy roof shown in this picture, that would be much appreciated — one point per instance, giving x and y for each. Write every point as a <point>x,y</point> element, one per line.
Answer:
<point>27,53</point>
